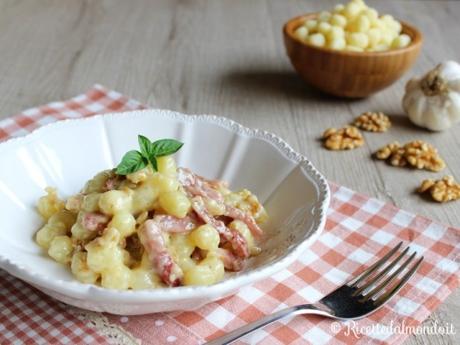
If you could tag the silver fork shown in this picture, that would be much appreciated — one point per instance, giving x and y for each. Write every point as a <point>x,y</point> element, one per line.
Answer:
<point>355,299</point>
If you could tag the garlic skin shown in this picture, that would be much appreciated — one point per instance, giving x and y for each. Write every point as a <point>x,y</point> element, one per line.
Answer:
<point>433,101</point>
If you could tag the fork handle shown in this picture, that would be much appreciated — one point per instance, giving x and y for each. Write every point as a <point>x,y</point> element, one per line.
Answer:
<point>242,331</point>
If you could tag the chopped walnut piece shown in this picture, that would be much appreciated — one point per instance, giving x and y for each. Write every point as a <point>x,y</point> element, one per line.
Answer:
<point>394,153</point>
<point>373,122</point>
<point>417,154</point>
<point>423,156</point>
<point>426,185</point>
<point>443,190</point>
<point>346,138</point>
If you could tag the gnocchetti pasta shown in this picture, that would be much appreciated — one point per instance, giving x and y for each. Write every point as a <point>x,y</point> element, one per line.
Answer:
<point>151,228</point>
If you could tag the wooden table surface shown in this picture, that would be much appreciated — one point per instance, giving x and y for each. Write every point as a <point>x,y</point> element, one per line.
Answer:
<point>227,58</point>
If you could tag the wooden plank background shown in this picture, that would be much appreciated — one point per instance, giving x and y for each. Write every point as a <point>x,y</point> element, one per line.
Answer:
<point>227,58</point>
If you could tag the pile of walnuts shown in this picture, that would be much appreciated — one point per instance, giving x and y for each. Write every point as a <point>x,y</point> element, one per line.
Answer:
<point>415,154</point>
<point>443,190</point>
<point>349,137</point>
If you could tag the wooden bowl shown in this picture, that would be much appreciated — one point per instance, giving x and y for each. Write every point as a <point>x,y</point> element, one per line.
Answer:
<point>345,73</point>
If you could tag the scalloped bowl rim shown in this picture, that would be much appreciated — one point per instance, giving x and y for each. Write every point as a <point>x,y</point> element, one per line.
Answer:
<point>78,290</point>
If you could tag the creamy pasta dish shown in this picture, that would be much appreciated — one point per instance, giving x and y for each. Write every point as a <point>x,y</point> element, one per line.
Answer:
<point>151,225</point>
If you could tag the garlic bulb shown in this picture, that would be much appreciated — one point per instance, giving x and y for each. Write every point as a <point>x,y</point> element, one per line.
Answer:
<point>433,101</point>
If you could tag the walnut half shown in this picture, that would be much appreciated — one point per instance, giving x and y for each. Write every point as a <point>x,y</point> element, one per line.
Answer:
<point>346,138</point>
<point>422,155</point>
<point>373,122</point>
<point>443,190</point>
<point>417,154</point>
<point>393,153</point>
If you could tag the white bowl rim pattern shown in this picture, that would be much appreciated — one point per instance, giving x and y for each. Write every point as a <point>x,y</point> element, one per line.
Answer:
<point>76,289</point>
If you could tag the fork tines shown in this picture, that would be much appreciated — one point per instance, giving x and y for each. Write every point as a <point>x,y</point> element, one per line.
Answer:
<point>371,284</point>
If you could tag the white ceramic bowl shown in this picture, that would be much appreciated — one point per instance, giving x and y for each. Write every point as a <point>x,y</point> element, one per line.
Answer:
<point>66,154</point>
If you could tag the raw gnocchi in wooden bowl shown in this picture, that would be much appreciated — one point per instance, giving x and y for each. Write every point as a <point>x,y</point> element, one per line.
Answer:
<point>153,230</point>
<point>351,51</point>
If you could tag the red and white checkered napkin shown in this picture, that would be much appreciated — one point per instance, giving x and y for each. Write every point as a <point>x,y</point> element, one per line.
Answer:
<point>358,231</point>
